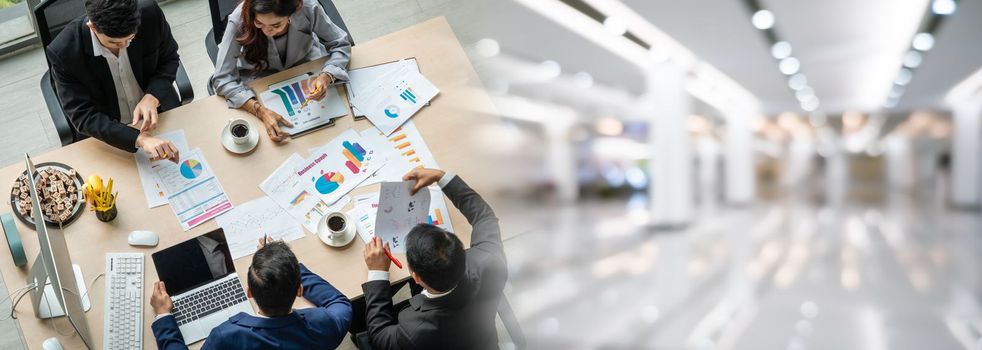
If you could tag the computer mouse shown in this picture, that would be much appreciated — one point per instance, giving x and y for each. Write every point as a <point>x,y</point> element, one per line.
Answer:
<point>52,344</point>
<point>143,238</point>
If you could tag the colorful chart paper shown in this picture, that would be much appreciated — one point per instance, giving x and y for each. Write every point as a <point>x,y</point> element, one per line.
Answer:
<point>153,188</point>
<point>194,199</point>
<point>361,79</point>
<point>293,193</point>
<point>287,99</point>
<point>394,97</point>
<point>339,166</point>
<point>405,150</point>
<point>398,212</point>
<point>191,168</point>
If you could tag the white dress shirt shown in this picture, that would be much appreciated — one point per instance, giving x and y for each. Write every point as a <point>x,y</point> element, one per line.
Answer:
<point>128,92</point>
<point>378,275</point>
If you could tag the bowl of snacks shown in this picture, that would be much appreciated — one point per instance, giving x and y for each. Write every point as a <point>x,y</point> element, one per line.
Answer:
<point>60,190</point>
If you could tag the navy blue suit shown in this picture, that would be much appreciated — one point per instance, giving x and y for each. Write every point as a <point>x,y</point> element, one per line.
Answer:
<point>320,327</point>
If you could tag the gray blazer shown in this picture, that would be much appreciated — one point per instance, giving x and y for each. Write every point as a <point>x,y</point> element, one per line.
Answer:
<point>232,72</point>
<point>463,319</point>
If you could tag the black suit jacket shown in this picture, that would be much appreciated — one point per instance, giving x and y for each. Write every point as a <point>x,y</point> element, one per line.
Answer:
<point>85,86</point>
<point>463,319</point>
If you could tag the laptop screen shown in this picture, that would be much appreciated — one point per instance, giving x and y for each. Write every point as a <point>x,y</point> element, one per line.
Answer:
<point>194,262</point>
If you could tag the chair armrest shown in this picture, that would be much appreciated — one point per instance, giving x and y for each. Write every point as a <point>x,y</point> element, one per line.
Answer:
<point>65,131</point>
<point>211,46</point>
<point>184,85</point>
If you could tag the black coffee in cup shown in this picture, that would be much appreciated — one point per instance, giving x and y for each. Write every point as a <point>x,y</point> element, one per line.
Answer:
<point>240,130</point>
<point>335,223</point>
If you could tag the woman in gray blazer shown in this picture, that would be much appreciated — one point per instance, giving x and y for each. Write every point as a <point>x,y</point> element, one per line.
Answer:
<point>268,36</point>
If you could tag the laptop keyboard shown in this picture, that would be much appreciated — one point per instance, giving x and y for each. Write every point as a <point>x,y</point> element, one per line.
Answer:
<point>208,301</point>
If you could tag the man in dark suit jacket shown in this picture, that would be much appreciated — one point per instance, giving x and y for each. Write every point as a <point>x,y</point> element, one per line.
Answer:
<point>116,66</point>
<point>275,280</point>
<point>460,289</point>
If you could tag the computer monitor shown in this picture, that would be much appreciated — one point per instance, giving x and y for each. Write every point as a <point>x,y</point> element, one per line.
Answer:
<point>60,289</point>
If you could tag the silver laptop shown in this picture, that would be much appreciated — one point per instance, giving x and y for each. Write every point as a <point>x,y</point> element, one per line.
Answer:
<point>201,280</point>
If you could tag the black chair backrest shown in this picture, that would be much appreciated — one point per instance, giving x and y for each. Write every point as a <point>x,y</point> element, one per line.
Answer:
<point>220,9</point>
<point>53,15</point>
<point>335,16</point>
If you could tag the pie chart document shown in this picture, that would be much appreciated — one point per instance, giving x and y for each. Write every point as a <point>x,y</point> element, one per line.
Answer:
<point>194,193</point>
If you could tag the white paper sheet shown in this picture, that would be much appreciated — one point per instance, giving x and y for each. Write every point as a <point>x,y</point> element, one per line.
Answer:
<point>250,221</point>
<point>336,168</point>
<point>293,194</point>
<point>364,222</point>
<point>360,79</point>
<point>286,97</point>
<point>394,97</point>
<point>439,215</point>
<point>153,189</point>
<point>398,212</point>
<point>405,150</point>
<point>195,194</point>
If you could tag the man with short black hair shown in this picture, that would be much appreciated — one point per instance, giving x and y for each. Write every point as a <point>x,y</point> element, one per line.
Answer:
<point>458,290</point>
<point>275,279</point>
<point>114,70</point>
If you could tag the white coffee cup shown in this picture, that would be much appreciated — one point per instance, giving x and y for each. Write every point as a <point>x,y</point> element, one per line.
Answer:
<point>240,130</point>
<point>336,229</point>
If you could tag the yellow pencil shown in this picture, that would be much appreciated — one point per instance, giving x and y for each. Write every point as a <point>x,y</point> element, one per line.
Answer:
<point>307,99</point>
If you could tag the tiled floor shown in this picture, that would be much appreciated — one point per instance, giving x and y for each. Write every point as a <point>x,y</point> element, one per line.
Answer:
<point>28,128</point>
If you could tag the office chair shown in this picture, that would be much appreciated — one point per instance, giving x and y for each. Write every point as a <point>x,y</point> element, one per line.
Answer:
<point>51,17</point>
<point>363,342</point>
<point>221,9</point>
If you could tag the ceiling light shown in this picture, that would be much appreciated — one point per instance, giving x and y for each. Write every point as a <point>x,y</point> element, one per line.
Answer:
<point>798,82</point>
<point>912,59</point>
<point>944,7</point>
<point>781,50</point>
<point>804,93</point>
<point>789,66</point>
<point>487,47</point>
<point>583,80</point>
<point>896,92</point>
<point>810,105</point>
<point>903,77</point>
<point>615,26</point>
<point>550,69</point>
<point>923,41</point>
<point>763,19</point>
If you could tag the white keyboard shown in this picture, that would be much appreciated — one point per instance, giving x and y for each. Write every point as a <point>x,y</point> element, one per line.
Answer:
<point>123,317</point>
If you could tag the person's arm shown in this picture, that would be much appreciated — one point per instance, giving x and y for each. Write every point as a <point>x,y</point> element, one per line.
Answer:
<point>168,59</point>
<point>226,80</point>
<point>381,318</point>
<point>335,40</point>
<point>76,101</point>
<point>325,296</point>
<point>164,327</point>
<point>485,232</point>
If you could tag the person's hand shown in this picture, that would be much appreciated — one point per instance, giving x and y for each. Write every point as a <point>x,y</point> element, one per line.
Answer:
<point>263,242</point>
<point>157,149</point>
<point>424,177</point>
<point>160,300</point>
<point>375,257</point>
<point>272,122</point>
<point>320,83</point>
<point>145,113</point>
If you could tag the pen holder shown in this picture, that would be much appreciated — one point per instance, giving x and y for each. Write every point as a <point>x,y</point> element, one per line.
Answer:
<point>106,214</point>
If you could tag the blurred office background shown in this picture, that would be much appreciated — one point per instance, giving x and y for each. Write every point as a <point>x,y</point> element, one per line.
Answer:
<point>730,174</point>
<point>699,174</point>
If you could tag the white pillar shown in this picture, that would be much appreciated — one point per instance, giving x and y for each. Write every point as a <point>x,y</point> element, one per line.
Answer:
<point>671,163</point>
<point>561,160</point>
<point>966,144</point>
<point>739,152</point>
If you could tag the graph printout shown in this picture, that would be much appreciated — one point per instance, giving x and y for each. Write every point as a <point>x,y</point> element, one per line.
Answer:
<point>336,168</point>
<point>287,99</point>
<point>293,193</point>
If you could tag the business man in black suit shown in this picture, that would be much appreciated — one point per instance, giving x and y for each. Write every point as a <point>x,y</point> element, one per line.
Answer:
<point>460,289</point>
<point>114,70</point>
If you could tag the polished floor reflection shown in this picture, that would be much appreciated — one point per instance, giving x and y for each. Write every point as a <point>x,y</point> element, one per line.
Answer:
<point>901,273</point>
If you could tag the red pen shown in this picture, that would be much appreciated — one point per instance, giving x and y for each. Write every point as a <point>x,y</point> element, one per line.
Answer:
<point>394,260</point>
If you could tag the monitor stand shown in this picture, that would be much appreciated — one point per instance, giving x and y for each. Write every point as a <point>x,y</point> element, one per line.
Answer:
<point>48,306</point>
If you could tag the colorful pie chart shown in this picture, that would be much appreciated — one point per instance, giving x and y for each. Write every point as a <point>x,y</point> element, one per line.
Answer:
<point>392,111</point>
<point>191,168</point>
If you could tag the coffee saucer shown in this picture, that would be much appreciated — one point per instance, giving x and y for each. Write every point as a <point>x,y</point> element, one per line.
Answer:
<point>229,142</point>
<point>344,238</point>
